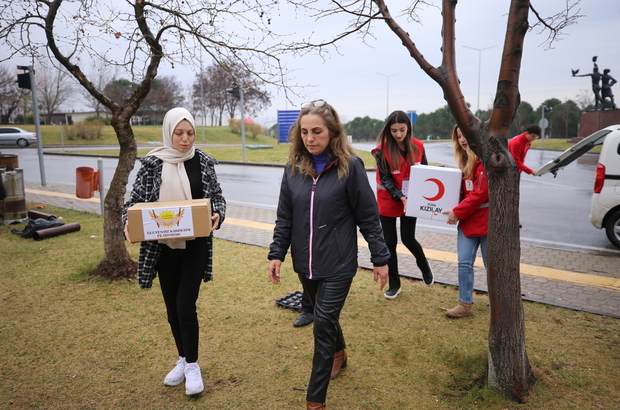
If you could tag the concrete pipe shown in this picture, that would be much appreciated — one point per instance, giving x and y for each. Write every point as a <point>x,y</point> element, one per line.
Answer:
<point>59,230</point>
<point>36,215</point>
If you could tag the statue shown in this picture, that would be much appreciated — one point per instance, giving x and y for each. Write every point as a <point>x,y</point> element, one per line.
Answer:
<point>607,81</point>
<point>596,78</point>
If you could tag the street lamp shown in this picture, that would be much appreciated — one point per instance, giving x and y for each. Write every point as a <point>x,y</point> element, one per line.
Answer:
<point>388,91</point>
<point>479,50</point>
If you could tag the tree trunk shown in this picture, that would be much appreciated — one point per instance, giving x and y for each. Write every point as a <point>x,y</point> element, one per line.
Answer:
<point>117,263</point>
<point>509,369</point>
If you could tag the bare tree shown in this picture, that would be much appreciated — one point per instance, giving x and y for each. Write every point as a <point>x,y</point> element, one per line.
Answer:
<point>101,74</point>
<point>509,370</point>
<point>214,82</point>
<point>54,87</point>
<point>140,35</point>
<point>216,79</point>
<point>584,100</point>
<point>165,94</point>
<point>10,94</point>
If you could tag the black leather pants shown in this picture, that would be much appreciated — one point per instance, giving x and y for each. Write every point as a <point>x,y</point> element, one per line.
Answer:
<point>328,299</point>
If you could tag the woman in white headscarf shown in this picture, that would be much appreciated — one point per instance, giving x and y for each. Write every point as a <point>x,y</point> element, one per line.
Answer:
<point>178,171</point>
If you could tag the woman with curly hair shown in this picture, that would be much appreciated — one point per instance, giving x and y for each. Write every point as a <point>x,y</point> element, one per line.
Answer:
<point>324,197</point>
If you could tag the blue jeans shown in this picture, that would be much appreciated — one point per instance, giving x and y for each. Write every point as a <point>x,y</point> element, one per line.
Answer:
<point>466,249</point>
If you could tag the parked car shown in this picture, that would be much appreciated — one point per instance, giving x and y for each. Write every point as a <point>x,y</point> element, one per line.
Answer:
<point>14,135</point>
<point>605,204</point>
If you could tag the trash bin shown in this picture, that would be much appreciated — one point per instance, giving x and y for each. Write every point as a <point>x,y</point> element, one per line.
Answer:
<point>86,182</point>
<point>13,207</point>
<point>10,160</point>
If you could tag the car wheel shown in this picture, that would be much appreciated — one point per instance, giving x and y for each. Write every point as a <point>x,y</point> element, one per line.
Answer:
<point>22,142</point>
<point>612,228</point>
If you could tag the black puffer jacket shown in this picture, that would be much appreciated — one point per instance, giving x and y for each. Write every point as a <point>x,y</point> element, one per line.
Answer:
<point>318,218</point>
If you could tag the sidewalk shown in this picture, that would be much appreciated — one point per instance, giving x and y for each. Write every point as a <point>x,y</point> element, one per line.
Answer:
<point>573,280</point>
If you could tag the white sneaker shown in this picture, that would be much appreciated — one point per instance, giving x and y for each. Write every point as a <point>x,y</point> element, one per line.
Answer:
<point>193,379</point>
<point>176,375</point>
<point>391,293</point>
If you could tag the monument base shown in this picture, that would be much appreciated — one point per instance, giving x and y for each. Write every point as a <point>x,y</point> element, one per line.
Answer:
<point>592,121</point>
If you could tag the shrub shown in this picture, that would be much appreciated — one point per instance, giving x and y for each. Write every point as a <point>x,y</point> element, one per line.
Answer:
<point>254,129</point>
<point>89,130</point>
<point>235,126</point>
<point>69,131</point>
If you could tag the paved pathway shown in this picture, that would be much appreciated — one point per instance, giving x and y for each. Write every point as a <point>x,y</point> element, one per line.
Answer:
<point>574,280</point>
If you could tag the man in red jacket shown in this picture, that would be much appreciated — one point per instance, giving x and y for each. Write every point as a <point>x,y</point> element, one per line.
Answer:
<point>519,145</point>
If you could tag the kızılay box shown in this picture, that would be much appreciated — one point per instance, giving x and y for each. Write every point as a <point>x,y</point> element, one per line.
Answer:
<point>152,221</point>
<point>433,190</point>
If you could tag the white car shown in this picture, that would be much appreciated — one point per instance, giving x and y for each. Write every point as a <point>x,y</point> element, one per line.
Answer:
<point>17,136</point>
<point>605,204</point>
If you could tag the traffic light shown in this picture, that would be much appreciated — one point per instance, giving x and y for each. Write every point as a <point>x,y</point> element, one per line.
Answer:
<point>234,91</point>
<point>23,81</point>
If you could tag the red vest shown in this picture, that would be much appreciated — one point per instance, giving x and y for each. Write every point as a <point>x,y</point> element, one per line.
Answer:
<point>388,206</point>
<point>473,210</point>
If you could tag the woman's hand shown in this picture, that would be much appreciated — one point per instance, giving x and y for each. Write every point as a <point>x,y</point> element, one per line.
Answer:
<point>452,219</point>
<point>126,230</point>
<point>215,222</point>
<point>274,270</point>
<point>381,272</point>
<point>403,199</point>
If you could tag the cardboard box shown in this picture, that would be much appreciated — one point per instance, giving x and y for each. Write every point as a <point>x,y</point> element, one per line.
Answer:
<point>152,221</point>
<point>433,190</point>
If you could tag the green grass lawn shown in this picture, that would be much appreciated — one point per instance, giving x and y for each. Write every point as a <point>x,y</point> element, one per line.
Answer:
<point>277,154</point>
<point>68,342</point>
<point>221,135</point>
<point>146,133</point>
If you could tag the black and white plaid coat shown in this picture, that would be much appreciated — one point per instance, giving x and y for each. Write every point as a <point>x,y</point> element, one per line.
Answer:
<point>146,189</point>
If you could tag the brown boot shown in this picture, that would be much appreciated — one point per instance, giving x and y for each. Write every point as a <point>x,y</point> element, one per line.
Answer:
<point>310,405</point>
<point>461,310</point>
<point>340,362</point>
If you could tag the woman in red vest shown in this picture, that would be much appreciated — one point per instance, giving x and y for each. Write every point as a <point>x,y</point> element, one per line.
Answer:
<point>472,215</point>
<point>396,152</point>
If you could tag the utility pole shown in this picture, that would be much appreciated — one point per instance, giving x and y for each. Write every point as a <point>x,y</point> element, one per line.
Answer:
<point>27,81</point>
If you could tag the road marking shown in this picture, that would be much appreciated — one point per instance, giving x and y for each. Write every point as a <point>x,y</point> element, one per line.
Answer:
<point>592,248</point>
<point>60,195</point>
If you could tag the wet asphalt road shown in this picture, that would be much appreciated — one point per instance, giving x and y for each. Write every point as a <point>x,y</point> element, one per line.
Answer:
<point>553,211</point>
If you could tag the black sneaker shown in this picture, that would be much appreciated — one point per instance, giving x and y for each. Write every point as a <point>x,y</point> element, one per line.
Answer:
<point>391,293</point>
<point>304,319</point>
<point>427,274</point>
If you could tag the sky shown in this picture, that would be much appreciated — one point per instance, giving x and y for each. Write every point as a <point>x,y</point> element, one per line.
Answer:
<point>380,76</point>
<point>356,82</point>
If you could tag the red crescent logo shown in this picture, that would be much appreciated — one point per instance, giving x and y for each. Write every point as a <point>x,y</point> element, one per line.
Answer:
<point>440,188</point>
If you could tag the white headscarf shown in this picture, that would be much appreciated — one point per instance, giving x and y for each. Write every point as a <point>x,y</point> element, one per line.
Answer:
<point>174,181</point>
